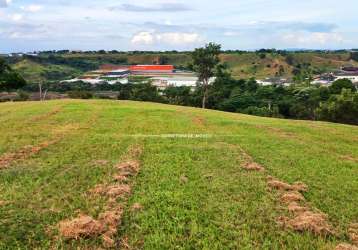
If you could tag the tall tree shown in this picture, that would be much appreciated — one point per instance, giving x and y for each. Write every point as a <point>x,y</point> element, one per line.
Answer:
<point>205,61</point>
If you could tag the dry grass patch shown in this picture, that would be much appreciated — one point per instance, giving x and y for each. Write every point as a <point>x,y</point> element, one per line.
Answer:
<point>292,196</point>
<point>128,167</point>
<point>83,226</point>
<point>120,178</point>
<point>315,222</point>
<point>294,207</point>
<point>115,190</point>
<point>118,190</point>
<point>136,207</point>
<point>253,166</point>
<point>283,186</point>
<point>345,246</point>
<point>8,158</point>
<point>353,233</point>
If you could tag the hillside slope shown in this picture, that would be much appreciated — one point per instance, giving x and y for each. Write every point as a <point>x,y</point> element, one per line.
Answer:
<point>242,65</point>
<point>192,190</point>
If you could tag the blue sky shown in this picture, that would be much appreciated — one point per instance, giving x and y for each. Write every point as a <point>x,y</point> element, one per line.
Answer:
<point>28,25</point>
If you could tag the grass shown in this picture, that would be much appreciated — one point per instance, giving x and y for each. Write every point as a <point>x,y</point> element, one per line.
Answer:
<point>218,206</point>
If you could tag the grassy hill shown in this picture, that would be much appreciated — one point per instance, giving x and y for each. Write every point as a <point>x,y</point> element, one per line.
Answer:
<point>35,72</point>
<point>190,187</point>
<point>242,65</point>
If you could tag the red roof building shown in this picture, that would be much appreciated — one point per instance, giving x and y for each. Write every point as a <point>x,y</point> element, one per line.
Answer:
<point>152,68</point>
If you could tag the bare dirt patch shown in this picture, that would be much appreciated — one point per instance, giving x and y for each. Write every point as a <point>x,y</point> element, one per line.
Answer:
<point>136,207</point>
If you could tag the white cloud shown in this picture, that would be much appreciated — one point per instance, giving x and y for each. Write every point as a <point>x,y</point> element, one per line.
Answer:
<point>171,38</point>
<point>16,17</point>
<point>5,3</point>
<point>319,38</point>
<point>145,38</point>
<point>32,8</point>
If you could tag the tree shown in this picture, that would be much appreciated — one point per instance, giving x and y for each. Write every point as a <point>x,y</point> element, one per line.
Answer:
<point>205,61</point>
<point>337,86</point>
<point>9,79</point>
<point>340,108</point>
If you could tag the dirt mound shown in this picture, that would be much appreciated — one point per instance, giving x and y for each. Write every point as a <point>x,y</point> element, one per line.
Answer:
<point>353,233</point>
<point>292,196</point>
<point>83,226</point>
<point>345,246</point>
<point>310,221</point>
<point>253,166</point>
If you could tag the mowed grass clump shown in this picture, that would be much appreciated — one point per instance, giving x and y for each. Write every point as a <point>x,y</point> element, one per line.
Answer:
<point>202,182</point>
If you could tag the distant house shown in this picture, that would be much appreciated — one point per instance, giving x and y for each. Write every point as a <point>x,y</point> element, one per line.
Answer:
<point>345,75</point>
<point>274,81</point>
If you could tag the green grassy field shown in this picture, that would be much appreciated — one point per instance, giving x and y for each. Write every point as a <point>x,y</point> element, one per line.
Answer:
<point>192,188</point>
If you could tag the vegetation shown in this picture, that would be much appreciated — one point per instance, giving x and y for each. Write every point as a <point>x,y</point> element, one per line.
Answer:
<point>191,186</point>
<point>9,79</point>
<point>60,65</point>
<point>205,60</point>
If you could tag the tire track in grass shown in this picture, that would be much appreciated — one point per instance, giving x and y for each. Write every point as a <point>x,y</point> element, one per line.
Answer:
<point>7,159</point>
<point>59,133</point>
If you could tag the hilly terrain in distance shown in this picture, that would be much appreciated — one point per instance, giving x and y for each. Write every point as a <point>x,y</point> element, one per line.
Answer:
<point>98,173</point>
<point>242,64</point>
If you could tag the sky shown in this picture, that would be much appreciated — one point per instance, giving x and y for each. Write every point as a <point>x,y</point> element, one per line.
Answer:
<point>32,25</point>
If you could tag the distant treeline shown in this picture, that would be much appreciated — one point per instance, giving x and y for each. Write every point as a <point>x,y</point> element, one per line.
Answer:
<point>278,51</point>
